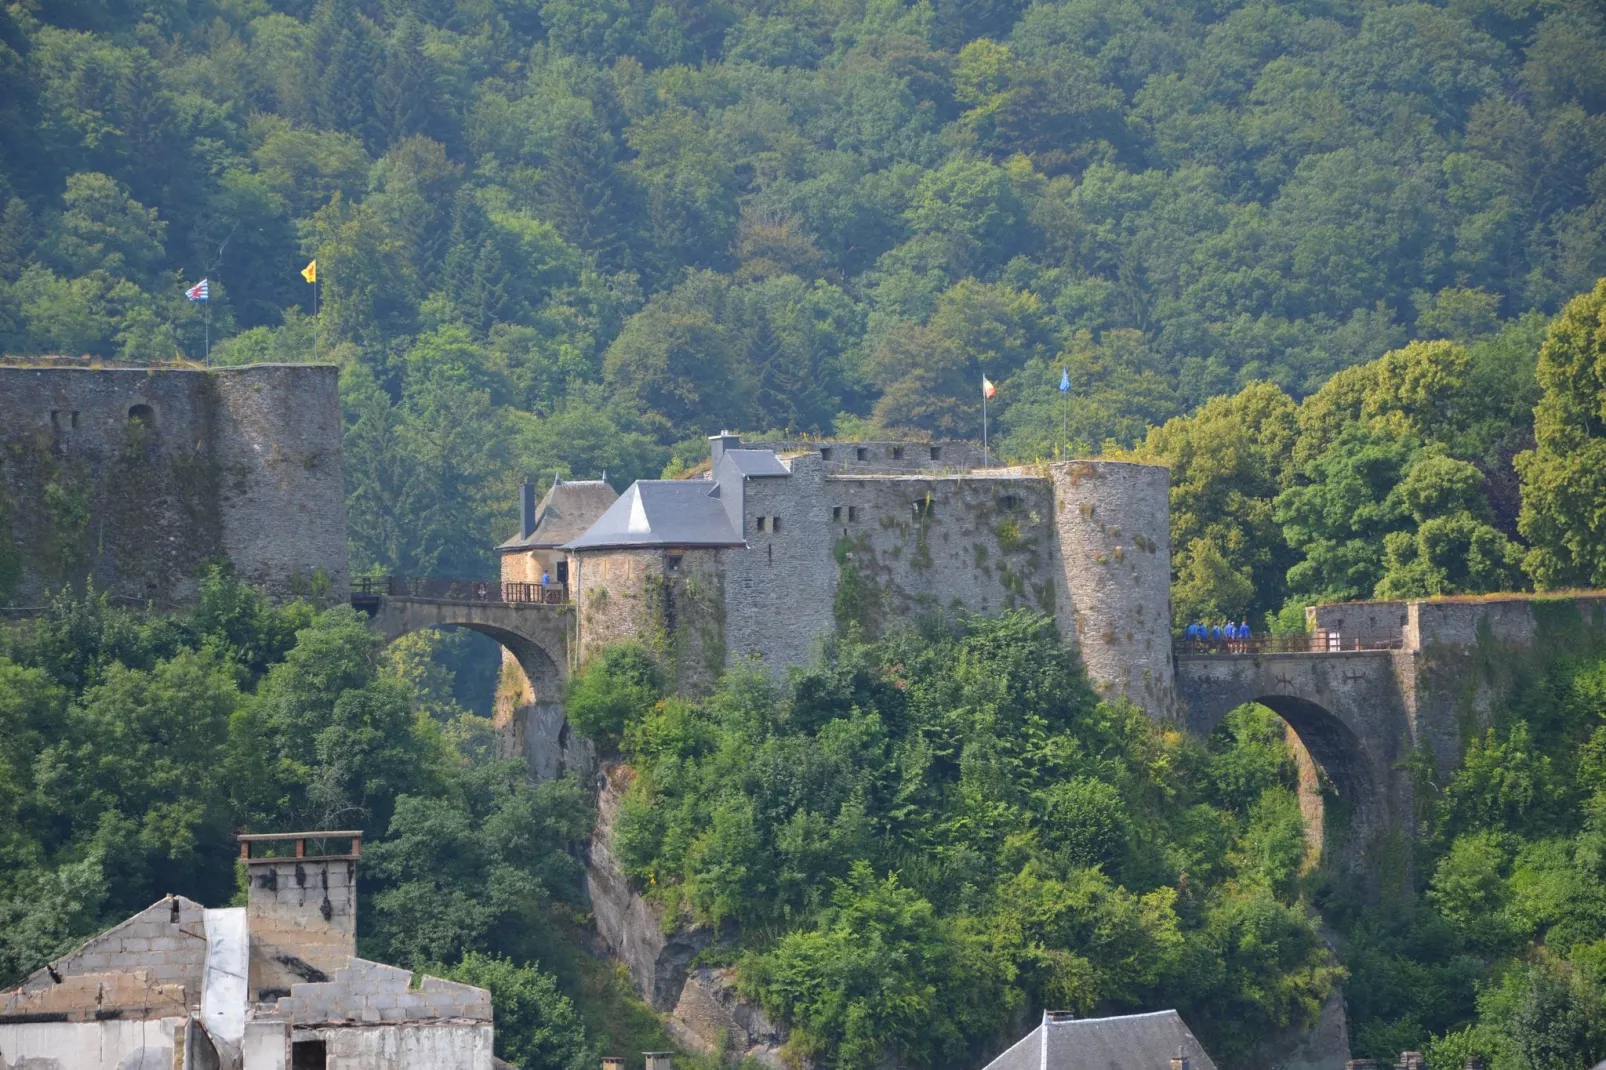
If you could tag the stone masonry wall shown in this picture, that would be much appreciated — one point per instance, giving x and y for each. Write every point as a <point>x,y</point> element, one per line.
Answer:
<point>1114,532</point>
<point>137,479</point>
<point>672,601</point>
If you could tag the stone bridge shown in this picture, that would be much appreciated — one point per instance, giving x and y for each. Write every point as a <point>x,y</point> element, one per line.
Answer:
<point>1348,708</point>
<point>535,635</point>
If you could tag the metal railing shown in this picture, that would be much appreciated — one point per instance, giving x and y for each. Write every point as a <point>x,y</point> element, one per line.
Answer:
<point>450,590</point>
<point>1320,643</point>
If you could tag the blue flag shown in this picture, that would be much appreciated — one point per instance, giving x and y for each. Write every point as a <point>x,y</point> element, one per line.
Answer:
<point>1065,380</point>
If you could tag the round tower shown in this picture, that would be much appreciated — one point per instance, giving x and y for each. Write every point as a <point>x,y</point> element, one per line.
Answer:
<point>1112,520</point>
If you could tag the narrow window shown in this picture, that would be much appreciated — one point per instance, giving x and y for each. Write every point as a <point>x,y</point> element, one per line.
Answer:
<point>308,1055</point>
<point>924,509</point>
<point>563,572</point>
<point>825,453</point>
<point>861,454</point>
<point>671,563</point>
<point>936,453</point>
<point>836,513</point>
<point>143,414</point>
<point>759,523</point>
<point>897,453</point>
<point>775,524</point>
<point>853,512</point>
<point>63,419</point>
<point>1008,502</point>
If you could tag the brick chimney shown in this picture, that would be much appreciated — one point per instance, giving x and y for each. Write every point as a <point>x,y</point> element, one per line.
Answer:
<point>1179,1061</point>
<point>658,1060</point>
<point>612,1062</point>
<point>301,907</point>
<point>1411,1060</point>
<point>1361,1064</point>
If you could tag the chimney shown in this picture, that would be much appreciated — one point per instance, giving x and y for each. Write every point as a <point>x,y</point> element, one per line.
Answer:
<point>1411,1060</point>
<point>1473,1063</point>
<point>718,444</point>
<point>526,509</point>
<point>612,1062</point>
<point>658,1060</point>
<point>1179,1061</point>
<point>1361,1064</point>
<point>301,904</point>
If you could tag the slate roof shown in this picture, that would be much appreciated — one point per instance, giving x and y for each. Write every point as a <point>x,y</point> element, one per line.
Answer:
<point>661,513</point>
<point>1128,1042</point>
<point>565,512</point>
<point>757,464</point>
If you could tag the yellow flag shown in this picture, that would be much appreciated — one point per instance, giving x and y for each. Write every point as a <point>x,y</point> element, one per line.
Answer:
<point>310,272</point>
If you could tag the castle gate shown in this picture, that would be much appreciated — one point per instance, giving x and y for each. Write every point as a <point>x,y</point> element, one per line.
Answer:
<point>531,623</point>
<point>1348,711</point>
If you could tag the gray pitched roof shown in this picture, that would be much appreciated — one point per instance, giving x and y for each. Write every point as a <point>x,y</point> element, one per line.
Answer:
<point>1128,1042</point>
<point>565,512</point>
<point>757,464</point>
<point>662,512</point>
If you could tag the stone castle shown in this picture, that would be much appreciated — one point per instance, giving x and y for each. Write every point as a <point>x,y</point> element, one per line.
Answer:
<point>777,545</point>
<point>137,479</point>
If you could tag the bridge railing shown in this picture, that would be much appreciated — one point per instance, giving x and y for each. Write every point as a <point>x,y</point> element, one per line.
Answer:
<point>456,590</point>
<point>1320,643</point>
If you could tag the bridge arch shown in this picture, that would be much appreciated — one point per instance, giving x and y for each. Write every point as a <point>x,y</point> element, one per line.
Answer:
<point>1346,710</point>
<point>535,641</point>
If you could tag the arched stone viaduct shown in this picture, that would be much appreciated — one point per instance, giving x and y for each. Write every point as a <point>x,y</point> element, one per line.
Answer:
<point>535,635</point>
<point>1392,679</point>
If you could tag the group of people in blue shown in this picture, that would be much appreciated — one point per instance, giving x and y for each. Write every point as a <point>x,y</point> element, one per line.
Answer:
<point>1209,633</point>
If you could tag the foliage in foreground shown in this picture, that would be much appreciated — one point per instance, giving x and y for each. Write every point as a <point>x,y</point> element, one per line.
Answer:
<point>921,836</point>
<point>133,747</point>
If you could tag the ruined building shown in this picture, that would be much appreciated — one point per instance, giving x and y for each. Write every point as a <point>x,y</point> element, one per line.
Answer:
<point>137,479</point>
<point>273,985</point>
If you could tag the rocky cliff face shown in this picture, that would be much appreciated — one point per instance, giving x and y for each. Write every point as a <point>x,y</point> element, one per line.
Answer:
<point>704,1013</point>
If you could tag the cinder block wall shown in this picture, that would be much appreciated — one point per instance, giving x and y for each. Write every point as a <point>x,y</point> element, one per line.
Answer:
<point>303,920</point>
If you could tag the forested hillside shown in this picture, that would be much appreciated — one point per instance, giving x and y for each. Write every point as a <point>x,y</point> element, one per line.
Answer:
<point>566,235</point>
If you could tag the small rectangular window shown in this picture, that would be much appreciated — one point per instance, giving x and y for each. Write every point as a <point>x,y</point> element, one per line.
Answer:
<point>853,512</point>
<point>924,509</point>
<point>563,572</point>
<point>825,453</point>
<point>936,453</point>
<point>836,512</point>
<point>862,454</point>
<point>759,524</point>
<point>897,453</point>
<point>775,524</point>
<point>64,419</point>
<point>671,563</point>
<point>1009,503</point>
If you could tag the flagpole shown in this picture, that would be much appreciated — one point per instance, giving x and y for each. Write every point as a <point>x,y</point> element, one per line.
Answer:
<point>208,318</point>
<point>985,462</point>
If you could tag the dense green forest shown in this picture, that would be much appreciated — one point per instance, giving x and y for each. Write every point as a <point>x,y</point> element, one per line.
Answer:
<point>1335,262</point>
<point>573,235</point>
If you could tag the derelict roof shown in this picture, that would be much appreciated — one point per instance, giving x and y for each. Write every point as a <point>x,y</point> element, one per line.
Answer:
<point>757,464</point>
<point>1133,1040</point>
<point>565,512</point>
<point>659,513</point>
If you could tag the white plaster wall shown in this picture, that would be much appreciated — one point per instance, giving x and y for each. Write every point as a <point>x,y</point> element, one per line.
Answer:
<point>266,1046</point>
<point>144,1044</point>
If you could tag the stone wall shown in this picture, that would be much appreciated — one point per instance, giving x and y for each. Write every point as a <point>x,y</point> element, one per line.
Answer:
<point>883,456</point>
<point>137,479</point>
<point>1112,520</point>
<point>672,601</point>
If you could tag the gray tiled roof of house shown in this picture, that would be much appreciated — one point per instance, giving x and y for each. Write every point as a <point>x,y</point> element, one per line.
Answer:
<point>757,464</point>
<point>662,512</point>
<point>565,512</point>
<point>1128,1042</point>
